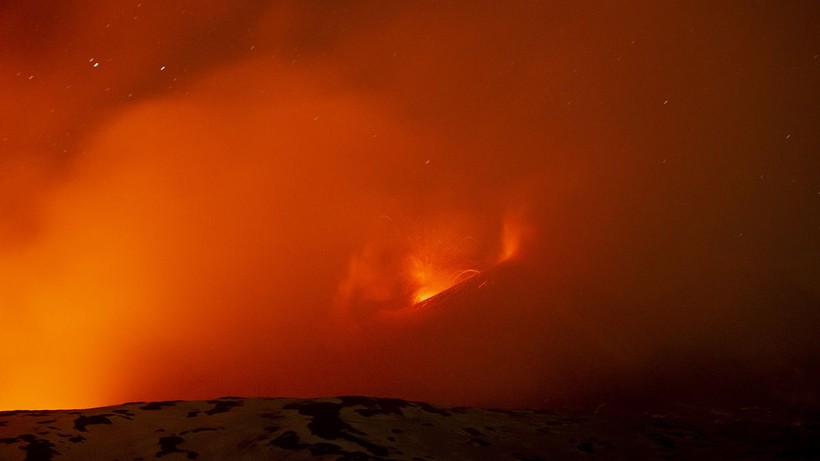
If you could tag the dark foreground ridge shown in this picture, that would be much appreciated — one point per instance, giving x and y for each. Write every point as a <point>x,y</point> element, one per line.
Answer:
<point>364,429</point>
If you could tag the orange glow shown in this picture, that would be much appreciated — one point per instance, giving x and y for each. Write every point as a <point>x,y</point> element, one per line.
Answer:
<point>436,263</point>
<point>515,233</point>
<point>398,271</point>
<point>69,315</point>
<point>248,198</point>
<point>430,280</point>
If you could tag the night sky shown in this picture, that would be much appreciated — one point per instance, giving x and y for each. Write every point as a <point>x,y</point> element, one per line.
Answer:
<point>249,198</point>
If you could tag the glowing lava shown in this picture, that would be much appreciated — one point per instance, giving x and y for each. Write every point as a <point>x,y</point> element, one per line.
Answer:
<point>430,280</point>
<point>401,270</point>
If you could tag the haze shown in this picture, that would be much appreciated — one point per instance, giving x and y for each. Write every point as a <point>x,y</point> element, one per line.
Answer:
<point>247,198</point>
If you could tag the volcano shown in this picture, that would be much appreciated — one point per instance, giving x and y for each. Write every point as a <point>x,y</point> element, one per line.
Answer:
<point>556,343</point>
<point>606,209</point>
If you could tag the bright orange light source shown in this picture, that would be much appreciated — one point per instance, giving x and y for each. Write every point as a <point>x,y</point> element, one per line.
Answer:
<point>430,280</point>
<point>405,270</point>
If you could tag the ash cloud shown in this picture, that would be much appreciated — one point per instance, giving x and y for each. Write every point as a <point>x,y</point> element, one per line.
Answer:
<point>186,213</point>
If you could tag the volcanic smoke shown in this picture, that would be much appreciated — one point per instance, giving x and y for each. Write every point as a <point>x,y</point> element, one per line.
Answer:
<point>528,205</point>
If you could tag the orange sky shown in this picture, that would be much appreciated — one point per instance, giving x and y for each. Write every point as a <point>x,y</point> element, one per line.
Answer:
<point>246,198</point>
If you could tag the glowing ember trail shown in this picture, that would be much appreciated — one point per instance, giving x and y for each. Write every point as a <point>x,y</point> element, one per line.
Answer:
<point>397,273</point>
<point>431,281</point>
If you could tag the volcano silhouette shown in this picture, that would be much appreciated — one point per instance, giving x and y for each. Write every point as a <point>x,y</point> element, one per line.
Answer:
<point>559,344</point>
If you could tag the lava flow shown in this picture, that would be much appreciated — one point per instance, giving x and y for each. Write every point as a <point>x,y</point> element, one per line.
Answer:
<point>430,283</point>
<point>397,272</point>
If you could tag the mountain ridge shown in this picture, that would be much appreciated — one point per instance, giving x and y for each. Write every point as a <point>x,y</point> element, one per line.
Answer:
<point>369,428</point>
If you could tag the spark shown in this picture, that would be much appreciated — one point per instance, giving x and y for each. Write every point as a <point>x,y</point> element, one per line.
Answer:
<point>464,275</point>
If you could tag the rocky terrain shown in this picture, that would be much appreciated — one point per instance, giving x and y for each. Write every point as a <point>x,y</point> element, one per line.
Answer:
<point>364,428</point>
